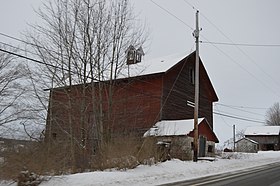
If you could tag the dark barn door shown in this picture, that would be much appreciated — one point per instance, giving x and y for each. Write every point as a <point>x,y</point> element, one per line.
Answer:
<point>202,146</point>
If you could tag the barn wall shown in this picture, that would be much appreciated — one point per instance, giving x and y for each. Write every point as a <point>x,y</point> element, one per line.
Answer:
<point>210,149</point>
<point>135,107</point>
<point>266,142</point>
<point>180,146</point>
<point>244,145</point>
<point>178,89</point>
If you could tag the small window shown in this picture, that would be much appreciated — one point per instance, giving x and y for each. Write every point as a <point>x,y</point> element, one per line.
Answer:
<point>192,76</point>
<point>138,57</point>
<point>210,148</point>
<point>54,135</point>
<point>131,55</point>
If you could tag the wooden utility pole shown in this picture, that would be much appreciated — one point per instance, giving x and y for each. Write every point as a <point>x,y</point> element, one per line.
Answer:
<point>196,97</point>
<point>233,138</point>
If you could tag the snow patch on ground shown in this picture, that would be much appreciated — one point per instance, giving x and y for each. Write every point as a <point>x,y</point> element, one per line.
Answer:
<point>169,171</point>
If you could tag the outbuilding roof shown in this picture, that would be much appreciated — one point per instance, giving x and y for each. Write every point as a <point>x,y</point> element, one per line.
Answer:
<point>182,128</point>
<point>248,139</point>
<point>262,130</point>
<point>172,127</point>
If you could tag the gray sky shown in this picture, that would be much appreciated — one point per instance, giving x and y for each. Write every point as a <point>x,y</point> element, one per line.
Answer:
<point>246,79</point>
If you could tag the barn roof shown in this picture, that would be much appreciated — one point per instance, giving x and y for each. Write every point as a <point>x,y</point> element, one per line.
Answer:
<point>262,130</point>
<point>157,65</point>
<point>248,139</point>
<point>163,65</point>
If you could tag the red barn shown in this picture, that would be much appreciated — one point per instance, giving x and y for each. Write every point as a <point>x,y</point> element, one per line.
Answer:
<point>155,90</point>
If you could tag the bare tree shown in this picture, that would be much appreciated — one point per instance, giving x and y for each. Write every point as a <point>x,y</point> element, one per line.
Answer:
<point>230,143</point>
<point>273,115</point>
<point>12,90</point>
<point>84,42</point>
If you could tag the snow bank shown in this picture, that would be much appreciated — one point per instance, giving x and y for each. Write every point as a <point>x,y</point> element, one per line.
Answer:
<point>170,171</point>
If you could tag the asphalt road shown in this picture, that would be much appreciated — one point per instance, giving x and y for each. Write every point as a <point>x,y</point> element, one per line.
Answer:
<point>267,175</point>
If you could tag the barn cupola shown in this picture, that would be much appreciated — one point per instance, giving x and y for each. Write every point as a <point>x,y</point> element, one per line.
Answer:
<point>134,55</point>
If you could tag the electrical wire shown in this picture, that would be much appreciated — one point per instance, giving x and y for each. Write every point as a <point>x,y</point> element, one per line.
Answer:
<point>241,44</point>
<point>222,117</point>
<point>239,118</point>
<point>244,107</point>
<point>237,45</point>
<point>17,48</point>
<point>28,58</point>
<point>243,68</point>
<point>276,93</point>
<point>173,15</point>
<point>242,51</point>
<point>240,109</point>
<point>139,91</point>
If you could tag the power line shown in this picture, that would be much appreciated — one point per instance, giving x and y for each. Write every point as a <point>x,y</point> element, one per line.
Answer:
<point>14,38</point>
<point>228,56</point>
<point>17,48</point>
<point>241,44</point>
<point>29,43</point>
<point>242,110</point>
<point>173,15</point>
<point>40,62</point>
<point>242,107</point>
<point>251,74</point>
<point>28,58</point>
<point>11,37</point>
<point>245,117</point>
<point>223,118</point>
<point>242,51</point>
<point>191,29</point>
<point>20,40</point>
<point>239,118</point>
<point>192,6</point>
<point>237,46</point>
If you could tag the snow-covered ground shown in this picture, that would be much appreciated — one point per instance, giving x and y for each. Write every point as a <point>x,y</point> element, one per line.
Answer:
<point>170,171</point>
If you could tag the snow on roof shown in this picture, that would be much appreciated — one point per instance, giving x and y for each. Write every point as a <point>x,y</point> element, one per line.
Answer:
<point>172,127</point>
<point>248,140</point>
<point>263,130</point>
<point>253,141</point>
<point>153,66</point>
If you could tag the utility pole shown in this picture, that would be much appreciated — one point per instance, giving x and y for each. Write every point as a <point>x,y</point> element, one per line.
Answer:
<point>196,97</point>
<point>233,138</point>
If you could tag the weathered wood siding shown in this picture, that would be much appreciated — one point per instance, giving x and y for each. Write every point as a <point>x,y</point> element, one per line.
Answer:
<point>135,108</point>
<point>266,142</point>
<point>263,139</point>
<point>137,103</point>
<point>245,145</point>
<point>178,89</point>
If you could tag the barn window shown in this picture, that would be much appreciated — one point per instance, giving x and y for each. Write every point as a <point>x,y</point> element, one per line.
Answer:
<point>192,75</point>
<point>138,57</point>
<point>131,55</point>
<point>210,148</point>
<point>54,135</point>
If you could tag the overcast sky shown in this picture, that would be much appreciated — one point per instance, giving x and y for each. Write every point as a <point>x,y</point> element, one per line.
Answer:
<point>245,78</point>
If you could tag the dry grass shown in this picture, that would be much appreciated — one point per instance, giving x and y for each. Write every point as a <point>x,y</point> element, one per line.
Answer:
<point>35,158</point>
<point>122,153</point>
